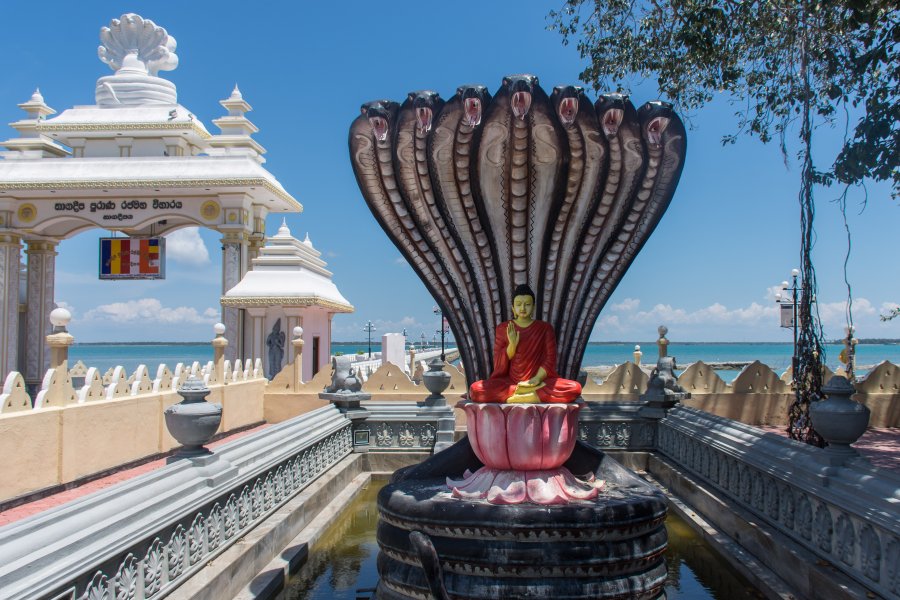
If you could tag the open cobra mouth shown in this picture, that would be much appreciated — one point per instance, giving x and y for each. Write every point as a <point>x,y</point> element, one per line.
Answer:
<point>423,119</point>
<point>611,121</point>
<point>521,102</point>
<point>379,127</point>
<point>655,129</point>
<point>472,108</point>
<point>568,108</point>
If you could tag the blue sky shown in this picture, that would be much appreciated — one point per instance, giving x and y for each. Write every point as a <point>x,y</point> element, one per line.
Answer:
<point>730,234</point>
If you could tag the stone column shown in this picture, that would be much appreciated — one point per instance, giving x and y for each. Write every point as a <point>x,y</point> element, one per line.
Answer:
<point>255,340</point>
<point>10,251</point>
<point>41,267</point>
<point>219,344</point>
<point>297,343</point>
<point>257,241</point>
<point>234,266</point>
<point>60,340</point>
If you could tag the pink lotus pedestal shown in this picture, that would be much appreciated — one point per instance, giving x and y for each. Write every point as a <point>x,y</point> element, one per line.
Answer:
<point>523,448</point>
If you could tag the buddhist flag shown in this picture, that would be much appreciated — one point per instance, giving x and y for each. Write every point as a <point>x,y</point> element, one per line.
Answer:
<point>126,258</point>
<point>120,256</point>
<point>149,256</point>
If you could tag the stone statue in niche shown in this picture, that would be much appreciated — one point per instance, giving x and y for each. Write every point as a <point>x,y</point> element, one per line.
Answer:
<point>275,344</point>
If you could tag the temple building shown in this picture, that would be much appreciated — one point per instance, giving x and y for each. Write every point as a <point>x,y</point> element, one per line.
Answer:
<point>136,163</point>
<point>287,286</point>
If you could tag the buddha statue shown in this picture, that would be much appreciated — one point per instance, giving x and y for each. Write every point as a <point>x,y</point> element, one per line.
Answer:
<point>524,360</point>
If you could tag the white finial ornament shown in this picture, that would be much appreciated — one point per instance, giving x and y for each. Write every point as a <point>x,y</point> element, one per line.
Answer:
<point>284,231</point>
<point>134,42</point>
<point>307,241</point>
<point>60,317</point>
<point>136,49</point>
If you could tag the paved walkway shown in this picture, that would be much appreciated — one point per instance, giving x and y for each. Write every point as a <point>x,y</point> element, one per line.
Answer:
<point>881,446</point>
<point>26,510</point>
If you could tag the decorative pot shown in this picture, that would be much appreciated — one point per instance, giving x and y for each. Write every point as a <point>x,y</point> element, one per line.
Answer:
<point>838,419</point>
<point>193,421</point>
<point>436,378</point>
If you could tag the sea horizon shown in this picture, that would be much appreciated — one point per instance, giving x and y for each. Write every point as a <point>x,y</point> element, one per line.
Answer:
<point>776,355</point>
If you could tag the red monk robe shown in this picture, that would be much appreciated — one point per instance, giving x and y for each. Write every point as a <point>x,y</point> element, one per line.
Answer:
<point>537,348</point>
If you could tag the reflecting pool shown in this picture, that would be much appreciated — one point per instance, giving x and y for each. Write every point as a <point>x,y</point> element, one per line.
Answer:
<point>341,565</point>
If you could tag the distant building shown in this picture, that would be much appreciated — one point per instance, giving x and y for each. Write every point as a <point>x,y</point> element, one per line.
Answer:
<point>287,286</point>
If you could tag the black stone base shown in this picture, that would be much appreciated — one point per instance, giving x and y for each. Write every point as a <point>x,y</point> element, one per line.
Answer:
<point>611,547</point>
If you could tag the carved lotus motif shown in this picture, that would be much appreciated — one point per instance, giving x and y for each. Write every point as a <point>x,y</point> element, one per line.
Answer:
<point>523,448</point>
<point>524,437</point>
<point>481,193</point>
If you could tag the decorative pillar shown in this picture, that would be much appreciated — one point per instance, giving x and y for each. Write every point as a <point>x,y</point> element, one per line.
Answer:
<point>219,345</point>
<point>293,317</point>
<point>255,339</point>
<point>234,266</point>
<point>10,251</point>
<point>257,241</point>
<point>637,355</point>
<point>40,280</point>
<point>60,340</point>
<point>297,343</point>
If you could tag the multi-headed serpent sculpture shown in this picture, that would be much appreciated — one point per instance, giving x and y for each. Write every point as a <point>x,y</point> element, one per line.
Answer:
<point>482,193</point>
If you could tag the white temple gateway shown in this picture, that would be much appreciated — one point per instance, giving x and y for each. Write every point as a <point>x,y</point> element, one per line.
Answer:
<point>136,162</point>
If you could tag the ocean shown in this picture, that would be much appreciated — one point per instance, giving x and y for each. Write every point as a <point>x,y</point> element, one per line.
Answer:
<point>775,355</point>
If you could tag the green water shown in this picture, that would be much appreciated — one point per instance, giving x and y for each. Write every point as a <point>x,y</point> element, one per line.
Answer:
<point>343,561</point>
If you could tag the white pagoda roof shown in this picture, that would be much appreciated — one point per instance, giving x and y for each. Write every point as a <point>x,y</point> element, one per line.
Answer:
<point>287,272</point>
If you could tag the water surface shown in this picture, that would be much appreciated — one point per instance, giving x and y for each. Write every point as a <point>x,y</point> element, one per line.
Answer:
<point>342,562</point>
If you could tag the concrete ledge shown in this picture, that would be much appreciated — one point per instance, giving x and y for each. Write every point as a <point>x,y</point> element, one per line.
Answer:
<point>776,564</point>
<point>274,576</point>
<point>225,575</point>
<point>258,566</point>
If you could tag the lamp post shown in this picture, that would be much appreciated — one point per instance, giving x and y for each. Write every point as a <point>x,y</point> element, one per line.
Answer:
<point>442,330</point>
<point>423,340</point>
<point>791,302</point>
<point>369,328</point>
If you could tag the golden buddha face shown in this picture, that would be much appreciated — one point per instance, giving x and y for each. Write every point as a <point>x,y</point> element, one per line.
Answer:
<point>523,307</point>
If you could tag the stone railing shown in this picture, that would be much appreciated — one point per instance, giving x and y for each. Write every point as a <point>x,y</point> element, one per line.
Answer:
<point>757,396</point>
<point>146,536</point>
<point>103,424</point>
<point>846,515</point>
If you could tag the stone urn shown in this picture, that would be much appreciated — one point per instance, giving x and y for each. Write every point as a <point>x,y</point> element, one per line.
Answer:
<point>436,379</point>
<point>838,419</point>
<point>193,421</point>
<point>523,448</point>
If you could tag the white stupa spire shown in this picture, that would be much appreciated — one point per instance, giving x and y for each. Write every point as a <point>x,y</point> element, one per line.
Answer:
<point>284,230</point>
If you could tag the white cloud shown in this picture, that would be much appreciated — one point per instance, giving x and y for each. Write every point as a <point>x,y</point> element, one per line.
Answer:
<point>626,305</point>
<point>150,311</point>
<point>65,305</point>
<point>400,261</point>
<point>186,246</point>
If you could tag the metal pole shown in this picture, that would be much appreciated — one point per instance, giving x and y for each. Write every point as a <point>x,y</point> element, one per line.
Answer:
<point>794,361</point>
<point>443,357</point>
